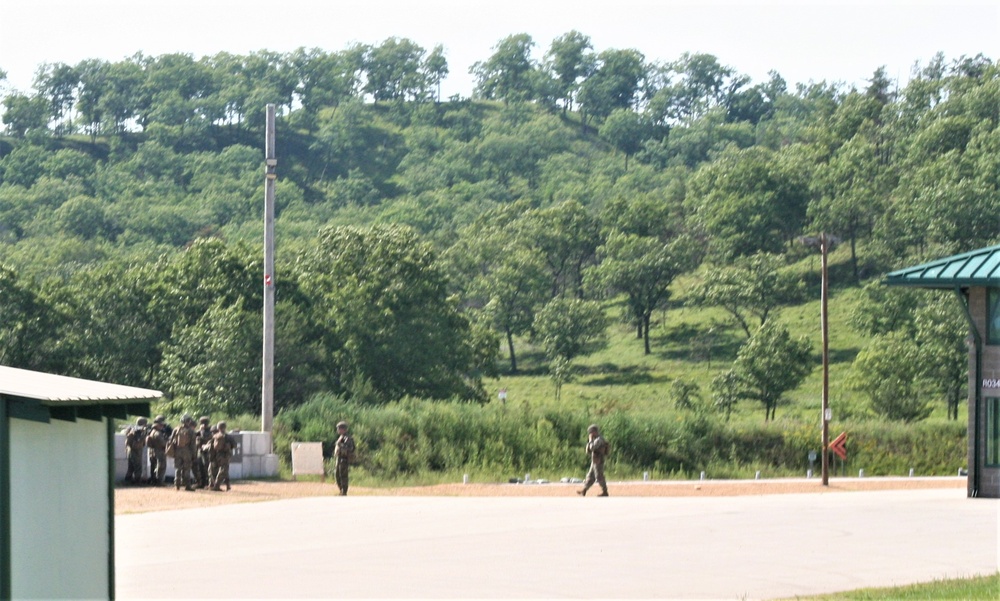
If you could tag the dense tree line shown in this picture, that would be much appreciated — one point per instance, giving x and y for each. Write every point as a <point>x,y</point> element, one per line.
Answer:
<point>417,236</point>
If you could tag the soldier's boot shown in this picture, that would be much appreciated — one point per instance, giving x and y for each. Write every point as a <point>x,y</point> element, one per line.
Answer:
<point>582,492</point>
<point>604,493</point>
<point>227,485</point>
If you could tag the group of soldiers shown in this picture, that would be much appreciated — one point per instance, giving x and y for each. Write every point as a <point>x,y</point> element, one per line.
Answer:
<point>201,453</point>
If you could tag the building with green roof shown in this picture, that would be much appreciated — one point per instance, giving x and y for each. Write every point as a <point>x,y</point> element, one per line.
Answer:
<point>974,278</point>
<point>57,483</point>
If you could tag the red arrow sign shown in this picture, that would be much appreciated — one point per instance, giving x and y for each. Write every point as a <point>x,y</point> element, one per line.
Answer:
<point>839,446</point>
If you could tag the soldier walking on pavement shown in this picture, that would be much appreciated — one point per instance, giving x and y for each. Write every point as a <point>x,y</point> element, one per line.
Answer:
<point>598,449</point>
<point>156,444</point>
<point>202,460</point>
<point>223,446</point>
<point>343,452</point>
<point>135,440</point>
<point>185,451</point>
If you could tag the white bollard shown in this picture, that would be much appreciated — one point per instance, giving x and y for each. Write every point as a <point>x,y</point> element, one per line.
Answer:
<point>757,477</point>
<point>809,473</point>
<point>465,478</point>
<point>861,473</point>
<point>911,472</point>
<point>703,475</point>
<point>645,476</point>
<point>527,478</point>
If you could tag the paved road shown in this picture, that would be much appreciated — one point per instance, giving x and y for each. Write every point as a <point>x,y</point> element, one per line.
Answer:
<point>760,547</point>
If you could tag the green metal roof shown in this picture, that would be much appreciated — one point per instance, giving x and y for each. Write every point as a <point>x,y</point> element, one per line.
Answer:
<point>975,268</point>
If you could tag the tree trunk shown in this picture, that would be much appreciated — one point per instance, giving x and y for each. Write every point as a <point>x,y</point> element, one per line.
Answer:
<point>510,349</point>
<point>645,333</point>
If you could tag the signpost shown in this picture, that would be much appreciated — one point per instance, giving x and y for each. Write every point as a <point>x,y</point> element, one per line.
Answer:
<point>839,446</point>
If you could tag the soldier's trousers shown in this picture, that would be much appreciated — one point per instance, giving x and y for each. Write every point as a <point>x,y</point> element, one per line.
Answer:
<point>220,474</point>
<point>596,474</point>
<point>182,468</point>
<point>157,465</point>
<point>200,469</point>
<point>341,470</point>
<point>133,473</point>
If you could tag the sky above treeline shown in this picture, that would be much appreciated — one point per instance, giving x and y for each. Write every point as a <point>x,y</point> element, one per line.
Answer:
<point>803,41</point>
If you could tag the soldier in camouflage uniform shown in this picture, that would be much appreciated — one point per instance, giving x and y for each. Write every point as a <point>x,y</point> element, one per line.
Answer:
<point>156,444</point>
<point>598,449</point>
<point>185,450</point>
<point>135,440</point>
<point>203,460</point>
<point>343,453</point>
<point>223,446</point>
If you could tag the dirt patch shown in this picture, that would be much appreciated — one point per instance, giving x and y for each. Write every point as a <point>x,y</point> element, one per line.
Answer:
<point>142,499</point>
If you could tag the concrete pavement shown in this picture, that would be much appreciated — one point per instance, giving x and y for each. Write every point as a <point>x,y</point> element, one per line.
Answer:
<point>751,547</point>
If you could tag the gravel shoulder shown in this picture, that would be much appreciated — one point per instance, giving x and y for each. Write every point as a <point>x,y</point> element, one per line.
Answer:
<point>140,499</point>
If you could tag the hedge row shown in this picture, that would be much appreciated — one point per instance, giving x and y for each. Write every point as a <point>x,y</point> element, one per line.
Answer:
<point>415,437</point>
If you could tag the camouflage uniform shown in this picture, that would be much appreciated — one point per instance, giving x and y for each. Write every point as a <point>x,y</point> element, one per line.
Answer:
<point>598,449</point>
<point>223,446</point>
<point>343,453</point>
<point>184,453</point>
<point>135,440</point>
<point>203,460</point>
<point>156,444</point>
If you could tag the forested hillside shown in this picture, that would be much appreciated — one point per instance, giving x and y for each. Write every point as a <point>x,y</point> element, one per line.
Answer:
<point>423,242</point>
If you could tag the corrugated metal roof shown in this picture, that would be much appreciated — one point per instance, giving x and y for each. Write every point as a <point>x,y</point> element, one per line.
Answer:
<point>51,388</point>
<point>975,268</point>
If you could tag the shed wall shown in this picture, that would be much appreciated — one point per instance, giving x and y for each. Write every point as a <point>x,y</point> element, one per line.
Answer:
<point>60,509</point>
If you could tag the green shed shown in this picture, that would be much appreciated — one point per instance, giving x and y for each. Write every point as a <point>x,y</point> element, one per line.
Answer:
<point>974,278</point>
<point>57,483</point>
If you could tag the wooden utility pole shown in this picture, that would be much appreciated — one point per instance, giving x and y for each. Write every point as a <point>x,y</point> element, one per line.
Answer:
<point>267,385</point>
<point>824,246</point>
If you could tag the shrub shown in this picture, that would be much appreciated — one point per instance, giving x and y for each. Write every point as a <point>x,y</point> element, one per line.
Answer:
<point>414,439</point>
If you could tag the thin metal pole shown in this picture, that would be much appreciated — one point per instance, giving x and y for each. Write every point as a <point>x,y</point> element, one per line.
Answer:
<point>267,385</point>
<point>824,244</point>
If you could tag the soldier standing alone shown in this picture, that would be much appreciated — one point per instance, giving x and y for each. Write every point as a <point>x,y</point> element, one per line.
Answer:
<point>598,449</point>
<point>343,452</point>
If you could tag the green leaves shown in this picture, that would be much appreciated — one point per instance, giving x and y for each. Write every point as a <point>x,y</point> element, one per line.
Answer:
<point>887,371</point>
<point>770,364</point>
<point>388,322</point>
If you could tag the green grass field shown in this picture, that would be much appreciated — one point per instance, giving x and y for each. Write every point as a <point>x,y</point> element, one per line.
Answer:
<point>696,344</point>
<point>985,588</point>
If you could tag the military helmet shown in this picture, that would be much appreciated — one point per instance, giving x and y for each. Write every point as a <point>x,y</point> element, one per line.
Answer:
<point>593,428</point>
<point>221,425</point>
<point>141,421</point>
<point>341,425</point>
<point>203,419</point>
<point>186,418</point>
<point>159,419</point>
